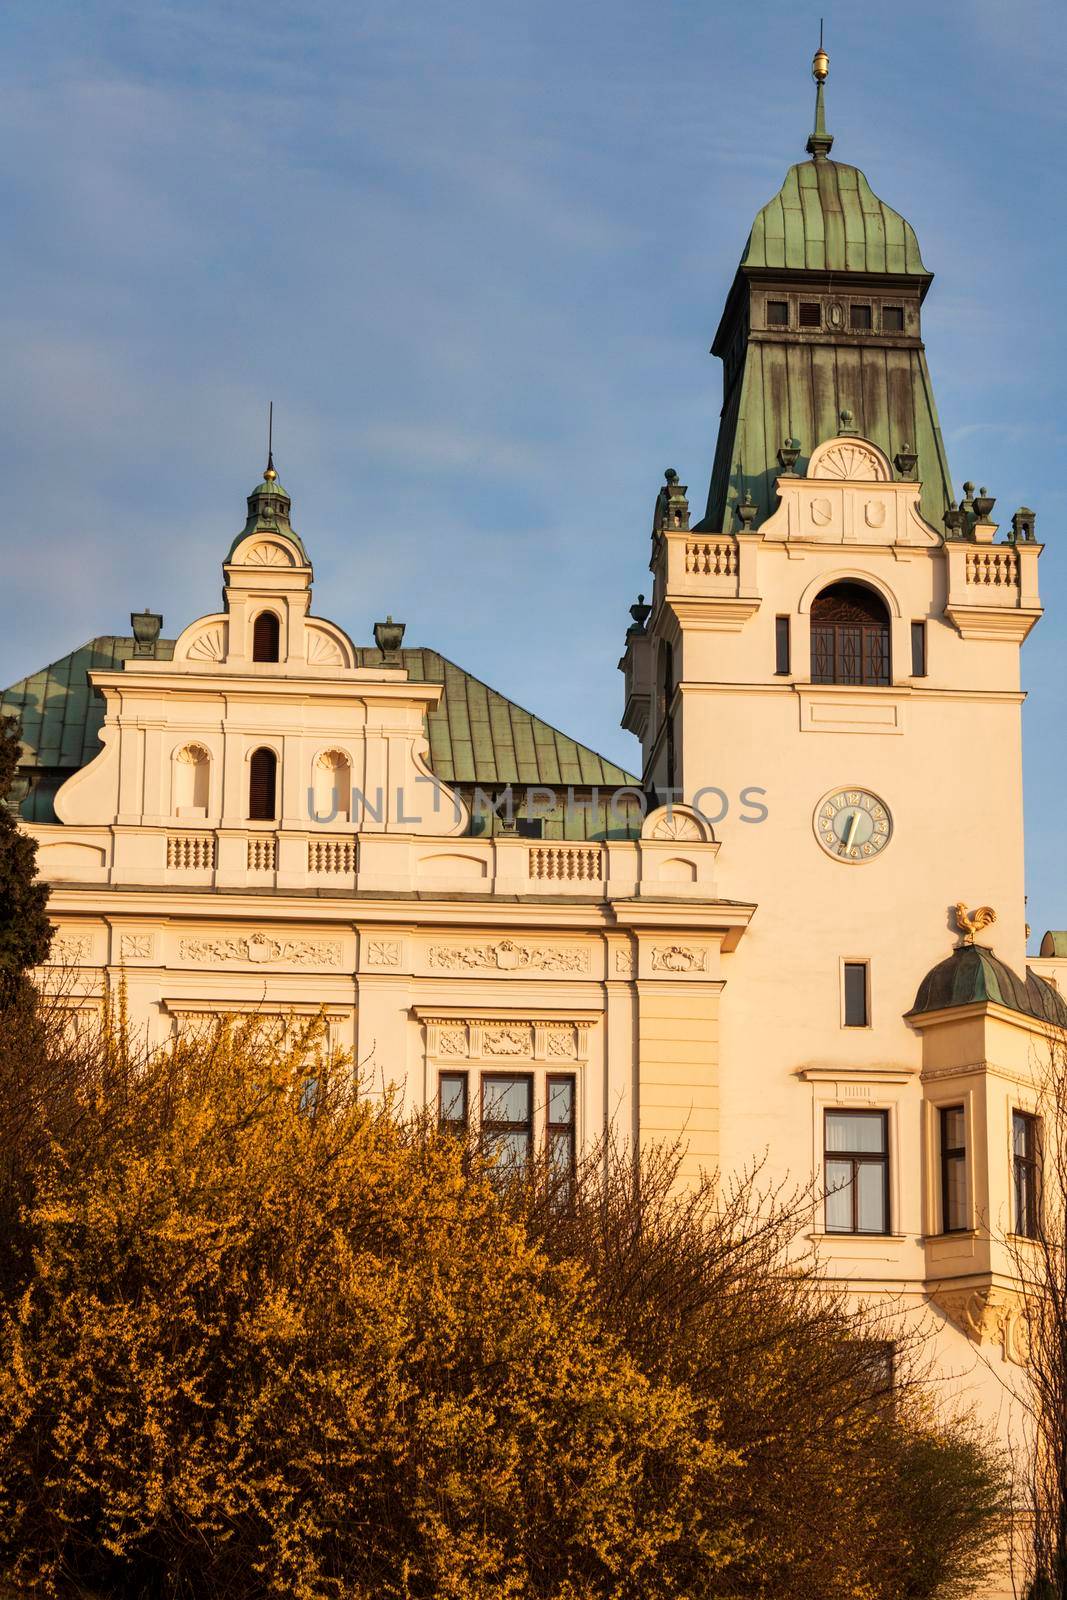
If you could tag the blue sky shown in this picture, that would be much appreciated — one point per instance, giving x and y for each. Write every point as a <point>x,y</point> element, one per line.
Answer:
<point>476,254</point>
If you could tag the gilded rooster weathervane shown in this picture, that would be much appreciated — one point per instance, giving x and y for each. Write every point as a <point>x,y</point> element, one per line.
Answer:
<point>970,925</point>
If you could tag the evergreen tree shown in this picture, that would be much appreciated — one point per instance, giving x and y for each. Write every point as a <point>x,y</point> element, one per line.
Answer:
<point>25,931</point>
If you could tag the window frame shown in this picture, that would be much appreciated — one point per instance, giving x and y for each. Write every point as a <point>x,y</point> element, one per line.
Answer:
<point>570,1128</point>
<point>853,963</point>
<point>777,322</point>
<point>947,1155</point>
<point>499,1125</point>
<point>783,646</point>
<point>893,311</point>
<point>858,1158</point>
<point>919,657</point>
<point>271,617</point>
<point>459,1126</point>
<point>809,306</point>
<point>253,816</point>
<point>1029,1163</point>
<point>858,307</point>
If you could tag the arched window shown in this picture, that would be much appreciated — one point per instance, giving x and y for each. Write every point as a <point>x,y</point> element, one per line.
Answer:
<point>192,781</point>
<point>265,637</point>
<point>849,636</point>
<point>332,786</point>
<point>262,785</point>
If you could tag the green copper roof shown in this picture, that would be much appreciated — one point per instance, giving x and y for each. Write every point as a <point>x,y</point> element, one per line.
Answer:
<point>972,974</point>
<point>799,391</point>
<point>476,735</point>
<point>827,218</point>
<point>269,506</point>
<point>1054,943</point>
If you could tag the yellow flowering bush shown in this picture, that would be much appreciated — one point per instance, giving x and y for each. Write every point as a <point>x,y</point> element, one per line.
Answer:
<point>262,1336</point>
<point>276,1342</point>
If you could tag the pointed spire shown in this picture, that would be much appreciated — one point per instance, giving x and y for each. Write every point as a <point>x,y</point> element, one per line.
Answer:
<point>820,142</point>
<point>270,474</point>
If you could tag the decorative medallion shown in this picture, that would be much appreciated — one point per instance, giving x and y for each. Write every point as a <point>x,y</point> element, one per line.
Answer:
<point>678,826</point>
<point>874,513</point>
<point>507,1042</point>
<point>849,460</point>
<point>135,947</point>
<point>383,953</point>
<point>68,949</point>
<point>678,958</point>
<point>624,963</point>
<point>822,511</point>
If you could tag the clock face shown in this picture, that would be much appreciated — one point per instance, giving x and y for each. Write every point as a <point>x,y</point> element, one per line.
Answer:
<point>852,825</point>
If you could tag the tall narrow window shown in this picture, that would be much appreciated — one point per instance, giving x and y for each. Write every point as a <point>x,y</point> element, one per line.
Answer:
<point>781,646</point>
<point>918,649</point>
<point>265,637</point>
<point>857,1172</point>
<point>667,670</point>
<point>953,1170</point>
<point>262,786</point>
<point>1027,1175</point>
<point>857,1001</point>
<point>893,319</point>
<point>507,1120</point>
<point>452,1102</point>
<point>849,636</point>
<point>559,1128</point>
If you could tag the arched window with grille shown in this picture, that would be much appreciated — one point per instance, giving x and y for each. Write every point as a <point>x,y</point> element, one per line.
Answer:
<point>266,636</point>
<point>262,786</point>
<point>849,636</point>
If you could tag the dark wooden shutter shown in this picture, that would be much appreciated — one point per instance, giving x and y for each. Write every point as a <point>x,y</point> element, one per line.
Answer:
<point>262,776</point>
<point>265,635</point>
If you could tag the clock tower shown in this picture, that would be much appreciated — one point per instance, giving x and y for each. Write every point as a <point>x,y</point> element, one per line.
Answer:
<point>829,673</point>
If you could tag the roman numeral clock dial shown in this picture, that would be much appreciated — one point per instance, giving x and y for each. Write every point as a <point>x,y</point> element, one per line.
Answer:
<point>853,825</point>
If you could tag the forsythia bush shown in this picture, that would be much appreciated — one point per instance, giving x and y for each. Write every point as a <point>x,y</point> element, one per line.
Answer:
<point>275,1343</point>
<point>263,1337</point>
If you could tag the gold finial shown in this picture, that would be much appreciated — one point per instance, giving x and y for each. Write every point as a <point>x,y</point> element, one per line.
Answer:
<point>820,65</point>
<point>969,925</point>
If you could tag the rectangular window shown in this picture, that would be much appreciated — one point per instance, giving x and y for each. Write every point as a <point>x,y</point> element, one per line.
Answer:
<point>918,649</point>
<point>507,1119</point>
<point>559,1129</point>
<point>953,1170</point>
<point>893,319</point>
<point>1027,1175</point>
<point>777,313</point>
<point>857,1172</point>
<point>857,1006</point>
<point>452,1102</point>
<point>810,314</point>
<point>530,827</point>
<point>859,317</point>
<point>781,645</point>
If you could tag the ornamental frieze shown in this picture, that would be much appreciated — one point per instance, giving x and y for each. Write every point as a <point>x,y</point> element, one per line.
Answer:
<point>520,1039</point>
<point>507,955</point>
<point>259,950</point>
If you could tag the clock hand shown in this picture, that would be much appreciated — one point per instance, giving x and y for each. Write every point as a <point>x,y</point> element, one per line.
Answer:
<point>854,822</point>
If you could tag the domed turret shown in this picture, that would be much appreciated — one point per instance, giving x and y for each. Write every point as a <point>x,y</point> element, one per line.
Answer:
<point>824,320</point>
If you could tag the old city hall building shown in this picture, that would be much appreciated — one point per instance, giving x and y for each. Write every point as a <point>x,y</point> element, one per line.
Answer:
<point>260,815</point>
